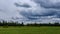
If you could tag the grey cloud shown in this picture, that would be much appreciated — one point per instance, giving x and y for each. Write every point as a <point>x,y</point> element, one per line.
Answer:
<point>36,13</point>
<point>0,9</point>
<point>58,14</point>
<point>29,15</point>
<point>35,16</point>
<point>48,4</point>
<point>42,11</point>
<point>23,5</point>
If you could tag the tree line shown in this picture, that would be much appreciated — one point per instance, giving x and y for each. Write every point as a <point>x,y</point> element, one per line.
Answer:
<point>5,23</point>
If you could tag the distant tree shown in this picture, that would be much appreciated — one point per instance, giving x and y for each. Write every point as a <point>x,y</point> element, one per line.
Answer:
<point>22,24</point>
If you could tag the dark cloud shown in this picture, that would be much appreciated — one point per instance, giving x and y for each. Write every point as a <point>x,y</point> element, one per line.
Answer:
<point>58,14</point>
<point>29,15</point>
<point>23,5</point>
<point>34,16</point>
<point>48,4</point>
<point>44,10</point>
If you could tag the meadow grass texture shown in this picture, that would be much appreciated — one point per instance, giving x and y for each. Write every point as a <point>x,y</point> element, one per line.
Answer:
<point>30,30</point>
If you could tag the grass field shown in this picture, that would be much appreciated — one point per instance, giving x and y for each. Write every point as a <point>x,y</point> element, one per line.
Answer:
<point>30,30</point>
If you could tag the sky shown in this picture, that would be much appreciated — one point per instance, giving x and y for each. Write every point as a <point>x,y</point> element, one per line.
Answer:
<point>43,11</point>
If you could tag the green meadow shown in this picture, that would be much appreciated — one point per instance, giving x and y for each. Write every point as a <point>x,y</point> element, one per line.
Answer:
<point>30,30</point>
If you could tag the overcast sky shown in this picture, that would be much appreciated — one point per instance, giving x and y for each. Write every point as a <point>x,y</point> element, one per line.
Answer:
<point>30,10</point>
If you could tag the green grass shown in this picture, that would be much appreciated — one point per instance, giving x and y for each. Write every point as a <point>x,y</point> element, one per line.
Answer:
<point>30,30</point>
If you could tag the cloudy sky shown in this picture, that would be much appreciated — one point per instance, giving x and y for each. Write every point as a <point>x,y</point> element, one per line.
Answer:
<point>30,10</point>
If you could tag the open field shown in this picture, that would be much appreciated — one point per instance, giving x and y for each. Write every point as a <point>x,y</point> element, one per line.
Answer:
<point>30,30</point>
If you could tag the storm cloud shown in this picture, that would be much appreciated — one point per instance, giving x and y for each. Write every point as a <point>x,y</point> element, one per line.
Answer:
<point>37,14</point>
<point>47,8</point>
<point>55,4</point>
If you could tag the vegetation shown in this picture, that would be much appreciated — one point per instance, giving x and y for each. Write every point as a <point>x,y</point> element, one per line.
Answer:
<point>30,30</point>
<point>5,23</point>
<point>21,28</point>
